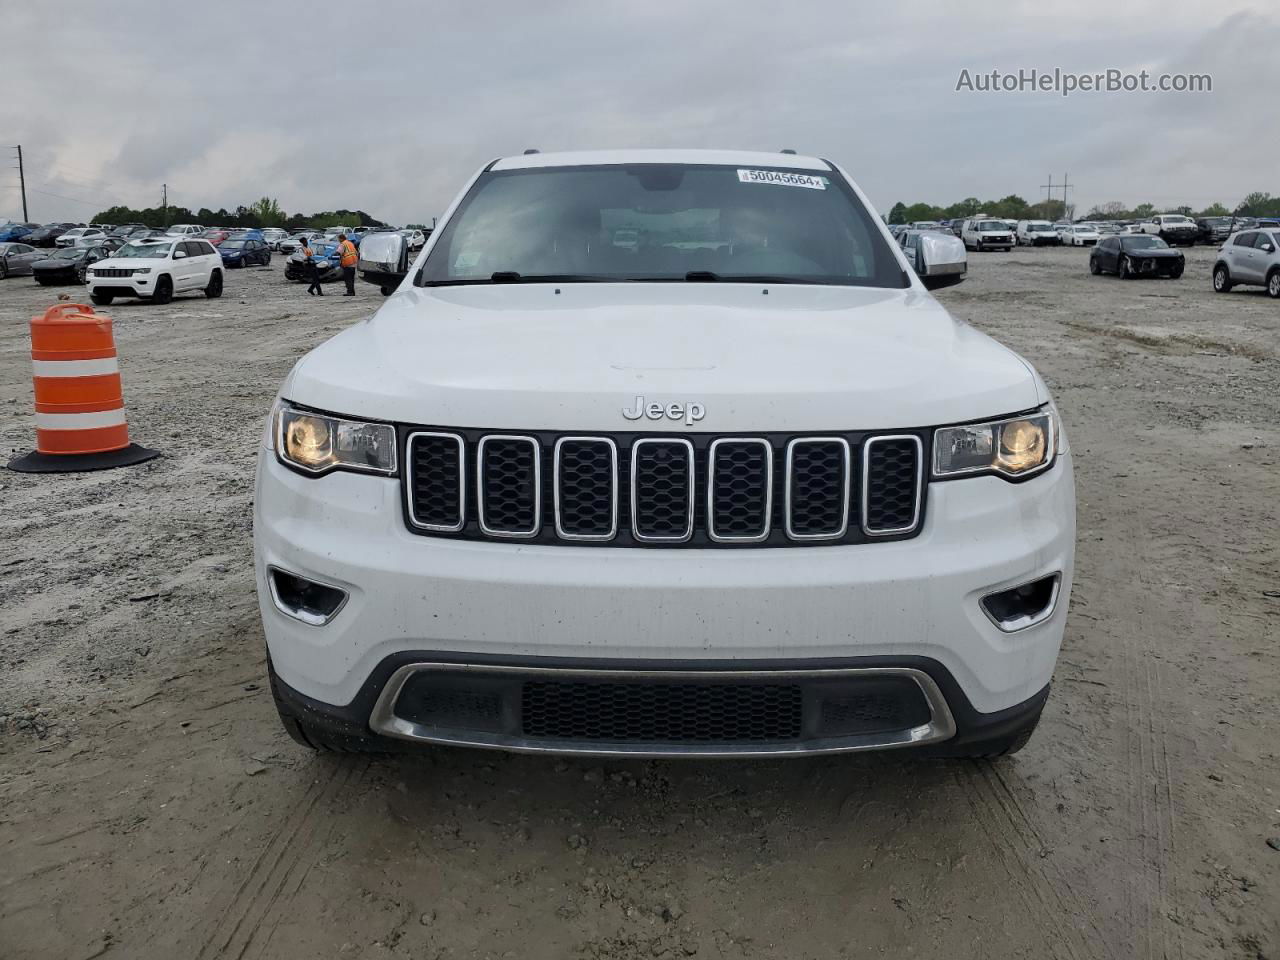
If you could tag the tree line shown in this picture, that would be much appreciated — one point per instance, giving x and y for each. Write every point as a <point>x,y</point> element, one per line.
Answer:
<point>261,213</point>
<point>1014,207</point>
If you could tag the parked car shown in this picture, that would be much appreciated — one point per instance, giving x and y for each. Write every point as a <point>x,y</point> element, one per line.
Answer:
<point>1107,229</point>
<point>156,269</point>
<point>416,239</point>
<point>215,235</point>
<point>1081,235</point>
<point>67,265</point>
<point>245,253</point>
<point>322,255</point>
<point>1037,233</point>
<point>17,231</point>
<point>1172,228</point>
<point>17,258</point>
<point>293,243</point>
<point>1250,257</point>
<point>45,236</point>
<point>1213,229</point>
<point>184,230</point>
<point>987,234</point>
<point>937,256</point>
<point>70,238</point>
<point>127,230</point>
<point>273,236</point>
<point>393,491</point>
<point>1136,256</point>
<point>926,225</point>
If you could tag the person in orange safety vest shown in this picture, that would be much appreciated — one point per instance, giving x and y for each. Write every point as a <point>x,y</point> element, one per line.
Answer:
<point>347,258</point>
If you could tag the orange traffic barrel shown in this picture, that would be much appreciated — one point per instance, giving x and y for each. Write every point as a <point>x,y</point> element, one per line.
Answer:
<point>80,420</point>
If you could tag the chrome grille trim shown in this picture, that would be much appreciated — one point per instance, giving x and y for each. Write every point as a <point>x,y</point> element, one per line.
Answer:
<point>462,481</point>
<point>613,478</point>
<point>537,488</point>
<point>768,491</point>
<point>919,485</point>
<point>692,493</point>
<point>844,511</point>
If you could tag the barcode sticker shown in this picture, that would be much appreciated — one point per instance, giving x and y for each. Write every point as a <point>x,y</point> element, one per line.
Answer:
<point>783,179</point>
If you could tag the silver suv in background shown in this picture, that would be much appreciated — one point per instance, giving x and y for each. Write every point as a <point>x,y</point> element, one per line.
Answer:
<point>1249,257</point>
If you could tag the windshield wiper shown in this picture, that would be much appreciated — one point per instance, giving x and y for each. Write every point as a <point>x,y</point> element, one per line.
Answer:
<point>511,276</point>
<point>701,276</point>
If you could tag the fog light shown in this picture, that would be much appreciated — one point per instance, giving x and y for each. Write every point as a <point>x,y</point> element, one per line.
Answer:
<point>306,600</point>
<point>1024,605</point>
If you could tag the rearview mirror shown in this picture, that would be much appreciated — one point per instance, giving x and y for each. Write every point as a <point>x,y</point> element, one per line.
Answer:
<point>942,260</point>
<point>384,260</point>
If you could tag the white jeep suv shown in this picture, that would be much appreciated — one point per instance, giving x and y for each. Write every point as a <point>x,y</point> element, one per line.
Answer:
<point>733,485</point>
<point>155,269</point>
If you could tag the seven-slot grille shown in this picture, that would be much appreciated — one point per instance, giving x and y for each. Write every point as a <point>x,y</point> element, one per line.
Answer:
<point>633,490</point>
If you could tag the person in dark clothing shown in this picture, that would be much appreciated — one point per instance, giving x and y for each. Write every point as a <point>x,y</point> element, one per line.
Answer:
<point>312,273</point>
<point>347,257</point>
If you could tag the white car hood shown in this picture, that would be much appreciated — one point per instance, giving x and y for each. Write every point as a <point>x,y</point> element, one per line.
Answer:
<point>535,357</point>
<point>117,263</point>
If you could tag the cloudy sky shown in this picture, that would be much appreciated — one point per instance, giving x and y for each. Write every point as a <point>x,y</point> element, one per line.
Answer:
<point>388,106</point>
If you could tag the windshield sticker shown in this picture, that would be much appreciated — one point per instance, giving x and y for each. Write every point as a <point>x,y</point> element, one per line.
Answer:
<point>782,179</point>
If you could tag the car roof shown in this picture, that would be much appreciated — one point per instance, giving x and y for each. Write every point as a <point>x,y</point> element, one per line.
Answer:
<point>727,158</point>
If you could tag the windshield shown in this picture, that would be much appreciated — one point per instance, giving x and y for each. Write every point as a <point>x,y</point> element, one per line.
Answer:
<point>1143,243</point>
<point>989,225</point>
<point>144,250</point>
<point>232,244</point>
<point>1084,230</point>
<point>71,253</point>
<point>662,222</point>
<point>1176,220</point>
<point>1039,225</point>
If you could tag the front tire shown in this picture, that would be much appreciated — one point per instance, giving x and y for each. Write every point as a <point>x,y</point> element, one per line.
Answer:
<point>1122,268</point>
<point>1093,266</point>
<point>214,290</point>
<point>1273,284</point>
<point>164,290</point>
<point>4,270</point>
<point>1221,279</point>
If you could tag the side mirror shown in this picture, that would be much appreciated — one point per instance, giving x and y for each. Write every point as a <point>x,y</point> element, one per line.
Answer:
<point>1268,248</point>
<point>384,260</point>
<point>179,255</point>
<point>943,260</point>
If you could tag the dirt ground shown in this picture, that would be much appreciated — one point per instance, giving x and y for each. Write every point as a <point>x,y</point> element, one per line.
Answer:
<point>151,806</point>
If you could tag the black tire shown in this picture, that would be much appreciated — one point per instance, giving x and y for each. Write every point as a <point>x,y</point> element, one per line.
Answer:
<point>1222,279</point>
<point>1122,268</point>
<point>102,299</point>
<point>164,290</point>
<point>1093,266</point>
<point>4,270</point>
<point>1175,273</point>
<point>314,737</point>
<point>43,282</point>
<point>267,262</point>
<point>214,290</point>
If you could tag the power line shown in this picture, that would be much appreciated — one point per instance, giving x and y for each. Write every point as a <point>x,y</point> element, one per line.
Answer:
<point>88,203</point>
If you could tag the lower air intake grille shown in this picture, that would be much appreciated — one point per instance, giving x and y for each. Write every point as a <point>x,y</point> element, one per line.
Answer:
<point>661,712</point>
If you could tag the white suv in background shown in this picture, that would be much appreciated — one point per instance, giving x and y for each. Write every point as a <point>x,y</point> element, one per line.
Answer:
<point>72,237</point>
<point>663,453</point>
<point>184,230</point>
<point>155,269</point>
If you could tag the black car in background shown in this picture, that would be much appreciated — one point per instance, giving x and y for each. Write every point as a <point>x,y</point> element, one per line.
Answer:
<point>67,265</point>
<point>46,235</point>
<point>1213,229</point>
<point>127,230</point>
<point>1136,255</point>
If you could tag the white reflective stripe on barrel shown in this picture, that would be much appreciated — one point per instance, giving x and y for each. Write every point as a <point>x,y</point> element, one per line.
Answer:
<point>75,368</point>
<point>80,421</point>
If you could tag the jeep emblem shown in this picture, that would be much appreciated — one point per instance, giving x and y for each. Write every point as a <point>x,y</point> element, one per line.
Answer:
<point>690,412</point>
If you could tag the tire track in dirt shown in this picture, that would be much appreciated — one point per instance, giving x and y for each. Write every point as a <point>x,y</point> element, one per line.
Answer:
<point>1038,892</point>
<point>298,838</point>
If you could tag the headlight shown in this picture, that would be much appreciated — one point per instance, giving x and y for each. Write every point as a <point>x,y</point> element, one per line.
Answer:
<point>141,269</point>
<point>1016,447</point>
<point>317,443</point>
<point>322,263</point>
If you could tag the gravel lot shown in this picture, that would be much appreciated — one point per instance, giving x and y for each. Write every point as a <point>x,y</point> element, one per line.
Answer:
<point>151,806</point>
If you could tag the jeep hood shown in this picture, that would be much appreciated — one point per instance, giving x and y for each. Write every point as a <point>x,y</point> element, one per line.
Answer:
<point>537,357</point>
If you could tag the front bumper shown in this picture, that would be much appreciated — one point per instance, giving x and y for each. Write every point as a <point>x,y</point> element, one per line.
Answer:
<point>414,597</point>
<point>134,286</point>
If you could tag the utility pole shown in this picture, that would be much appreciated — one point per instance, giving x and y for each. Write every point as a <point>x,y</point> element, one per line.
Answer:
<point>22,181</point>
<point>1066,185</point>
<point>164,204</point>
<point>1048,196</point>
